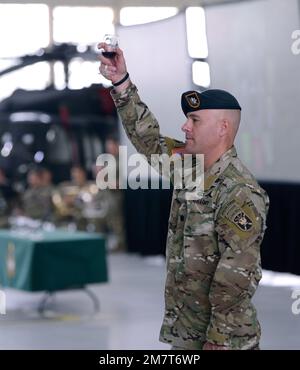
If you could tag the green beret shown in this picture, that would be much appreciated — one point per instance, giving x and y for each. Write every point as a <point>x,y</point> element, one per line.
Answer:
<point>192,101</point>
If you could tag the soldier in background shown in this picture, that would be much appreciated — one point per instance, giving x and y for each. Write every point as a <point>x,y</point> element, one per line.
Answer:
<point>104,213</point>
<point>115,216</point>
<point>80,204</point>
<point>37,198</point>
<point>7,199</point>
<point>213,246</point>
<point>69,199</point>
<point>46,178</point>
<point>97,210</point>
<point>110,201</point>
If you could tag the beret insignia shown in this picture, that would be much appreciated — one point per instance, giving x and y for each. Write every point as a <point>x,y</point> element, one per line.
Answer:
<point>193,100</point>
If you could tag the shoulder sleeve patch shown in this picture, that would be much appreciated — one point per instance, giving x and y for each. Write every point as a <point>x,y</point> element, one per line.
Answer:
<point>242,221</point>
<point>238,216</point>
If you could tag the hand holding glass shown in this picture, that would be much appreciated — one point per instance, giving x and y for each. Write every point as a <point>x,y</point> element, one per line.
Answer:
<point>112,43</point>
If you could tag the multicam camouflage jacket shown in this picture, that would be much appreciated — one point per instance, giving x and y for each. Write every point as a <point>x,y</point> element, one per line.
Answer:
<point>213,244</point>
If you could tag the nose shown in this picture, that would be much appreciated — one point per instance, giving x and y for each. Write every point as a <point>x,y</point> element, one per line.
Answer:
<point>186,127</point>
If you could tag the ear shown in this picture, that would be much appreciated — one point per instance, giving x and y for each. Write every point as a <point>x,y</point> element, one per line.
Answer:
<point>223,127</point>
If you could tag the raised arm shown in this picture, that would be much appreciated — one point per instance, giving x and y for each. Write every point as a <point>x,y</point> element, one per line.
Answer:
<point>139,123</point>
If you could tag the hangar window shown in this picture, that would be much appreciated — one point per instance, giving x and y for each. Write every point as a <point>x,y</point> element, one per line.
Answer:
<point>197,45</point>
<point>201,73</point>
<point>86,26</point>
<point>81,25</point>
<point>24,29</point>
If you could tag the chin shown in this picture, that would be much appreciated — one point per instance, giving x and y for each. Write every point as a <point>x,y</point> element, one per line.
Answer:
<point>189,150</point>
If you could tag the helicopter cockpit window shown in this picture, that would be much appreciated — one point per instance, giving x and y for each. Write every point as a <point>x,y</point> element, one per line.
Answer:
<point>58,145</point>
<point>87,147</point>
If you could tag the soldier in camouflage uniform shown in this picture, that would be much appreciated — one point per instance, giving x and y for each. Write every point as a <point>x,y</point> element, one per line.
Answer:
<point>70,198</point>
<point>213,245</point>
<point>37,198</point>
<point>7,199</point>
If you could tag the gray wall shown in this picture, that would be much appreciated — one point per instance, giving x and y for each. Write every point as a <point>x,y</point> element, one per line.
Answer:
<point>250,55</point>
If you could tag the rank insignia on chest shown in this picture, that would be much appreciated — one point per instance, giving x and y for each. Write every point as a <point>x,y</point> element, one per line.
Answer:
<point>193,100</point>
<point>242,221</point>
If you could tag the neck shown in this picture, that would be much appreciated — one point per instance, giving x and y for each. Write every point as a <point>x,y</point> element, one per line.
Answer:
<point>211,158</point>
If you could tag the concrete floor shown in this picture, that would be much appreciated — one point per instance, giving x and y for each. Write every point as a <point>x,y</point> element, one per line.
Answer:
<point>131,312</point>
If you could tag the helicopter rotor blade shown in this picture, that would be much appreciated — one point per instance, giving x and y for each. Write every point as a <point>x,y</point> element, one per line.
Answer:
<point>59,52</point>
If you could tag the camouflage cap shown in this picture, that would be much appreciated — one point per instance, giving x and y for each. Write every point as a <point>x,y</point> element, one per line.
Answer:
<point>209,99</point>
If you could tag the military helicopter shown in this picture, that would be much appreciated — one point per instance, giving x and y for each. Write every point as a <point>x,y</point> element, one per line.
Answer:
<point>55,128</point>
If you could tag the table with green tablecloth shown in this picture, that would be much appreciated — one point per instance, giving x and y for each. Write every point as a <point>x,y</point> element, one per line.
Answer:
<point>51,261</point>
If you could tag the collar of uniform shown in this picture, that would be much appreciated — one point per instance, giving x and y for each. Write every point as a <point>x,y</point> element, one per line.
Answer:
<point>211,174</point>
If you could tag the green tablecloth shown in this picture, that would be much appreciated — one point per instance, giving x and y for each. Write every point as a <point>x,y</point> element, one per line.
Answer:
<point>39,261</point>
